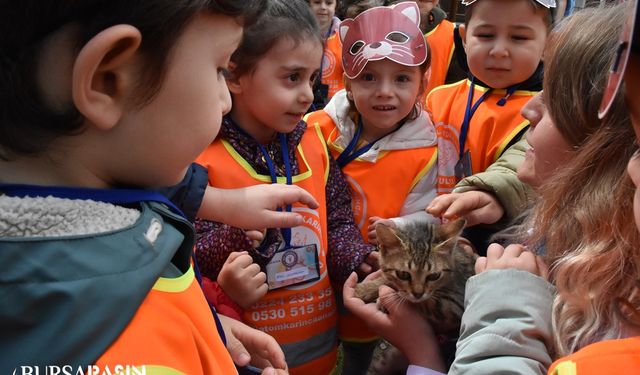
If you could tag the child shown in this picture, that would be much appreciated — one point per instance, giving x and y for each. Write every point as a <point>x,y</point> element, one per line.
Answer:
<point>584,213</point>
<point>441,35</point>
<point>330,79</point>
<point>96,100</point>
<point>477,119</point>
<point>265,141</point>
<point>377,132</point>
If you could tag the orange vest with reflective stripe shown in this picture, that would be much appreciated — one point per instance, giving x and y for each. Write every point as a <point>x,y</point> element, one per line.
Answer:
<point>302,318</point>
<point>372,194</point>
<point>491,128</point>
<point>189,345</point>
<point>441,46</point>
<point>332,65</point>
<point>605,357</point>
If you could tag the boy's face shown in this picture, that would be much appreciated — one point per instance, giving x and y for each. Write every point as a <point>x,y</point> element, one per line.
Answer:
<point>504,41</point>
<point>168,134</point>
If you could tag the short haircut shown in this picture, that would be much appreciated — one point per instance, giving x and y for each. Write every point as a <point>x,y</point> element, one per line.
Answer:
<point>548,19</point>
<point>282,19</point>
<point>27,123</point>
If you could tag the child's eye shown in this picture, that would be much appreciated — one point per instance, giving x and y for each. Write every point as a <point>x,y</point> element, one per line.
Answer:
<point>293,77</point>
<point>485,36</point>
<point>367,77</point>
<point>519,37</point>
<point>403,78</point>
<point>403,275</point>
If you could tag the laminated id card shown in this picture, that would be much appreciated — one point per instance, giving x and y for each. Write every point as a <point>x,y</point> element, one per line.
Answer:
<point>463,166</point>
<point>293,265</point>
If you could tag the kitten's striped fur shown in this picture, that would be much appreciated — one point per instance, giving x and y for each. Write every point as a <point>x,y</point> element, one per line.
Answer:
<point>425,265</point>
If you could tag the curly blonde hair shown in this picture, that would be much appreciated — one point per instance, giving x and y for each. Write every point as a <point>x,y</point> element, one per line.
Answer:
<point>585,213</point>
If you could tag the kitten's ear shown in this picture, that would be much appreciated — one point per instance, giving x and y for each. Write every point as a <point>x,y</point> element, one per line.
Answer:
<point>449,232</point>
<point>388,241</point>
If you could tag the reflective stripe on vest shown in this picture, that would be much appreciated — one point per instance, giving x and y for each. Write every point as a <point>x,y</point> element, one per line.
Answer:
<point>372,193</point>
<point>300,316</point>
<point>186,343</point>
<point>442,47</point>
<point>491,129</point>
<point>605,357</point>
<point>332,65</point>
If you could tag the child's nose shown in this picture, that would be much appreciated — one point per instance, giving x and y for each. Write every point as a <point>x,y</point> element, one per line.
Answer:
<point>500,49</point>
<point>384,88</point>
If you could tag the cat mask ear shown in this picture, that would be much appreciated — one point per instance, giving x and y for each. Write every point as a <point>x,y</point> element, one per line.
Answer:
<point>378,33</point>
<point>388,240</point>
<point>449,232</point>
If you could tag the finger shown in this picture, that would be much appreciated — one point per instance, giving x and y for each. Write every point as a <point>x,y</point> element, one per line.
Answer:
<point>295,194</point>
<point>281,219</point>
<point>373,275</point>
<point>481,264</point>
<point>234,255</point>
<point>459,207</point>
<point>348,289</point>
<point>243,261</point>
<point>516,250</point>
<point>365,268</point>
<point>494,251</point>
<point>440,204</point>
<point>265,344</point>
<point>254,235</point>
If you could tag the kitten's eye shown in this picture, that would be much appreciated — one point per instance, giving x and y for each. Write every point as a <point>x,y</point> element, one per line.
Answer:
<point>356,47</point>
<point>403,275</point>
<point>398,37</point>
<point>433,276</point>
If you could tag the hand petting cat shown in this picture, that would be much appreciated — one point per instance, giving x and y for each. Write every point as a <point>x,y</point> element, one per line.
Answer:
<point>476,206</point>
<point>242,280</point>
<point>397,325</point>
<point>371,229</point>
<point>513,256</point>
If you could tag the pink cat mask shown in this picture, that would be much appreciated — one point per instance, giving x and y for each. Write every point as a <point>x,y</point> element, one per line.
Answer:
<point>383,33</point>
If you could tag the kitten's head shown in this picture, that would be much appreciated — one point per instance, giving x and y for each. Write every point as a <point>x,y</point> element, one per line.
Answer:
<point>418,259</point>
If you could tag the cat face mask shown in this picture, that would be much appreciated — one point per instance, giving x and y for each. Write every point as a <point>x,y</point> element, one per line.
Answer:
<point>383,33</point>
<point>546,3</point>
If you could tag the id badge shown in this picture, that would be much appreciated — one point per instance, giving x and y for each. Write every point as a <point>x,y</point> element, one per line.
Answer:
<point>293,265</point>
<point>463,166</point>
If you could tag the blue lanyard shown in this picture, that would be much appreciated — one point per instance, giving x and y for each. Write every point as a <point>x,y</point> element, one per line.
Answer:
<point>114,196</point>
<point>350,153</point>
<point>468,114</point>
<point>284,148</point>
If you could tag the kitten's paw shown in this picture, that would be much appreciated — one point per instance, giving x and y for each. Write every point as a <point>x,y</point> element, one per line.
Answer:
<point>367,291</point>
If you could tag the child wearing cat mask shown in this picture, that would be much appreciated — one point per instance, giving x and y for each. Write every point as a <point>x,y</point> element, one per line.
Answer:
<point>595,313</point>
<point>380,136</point>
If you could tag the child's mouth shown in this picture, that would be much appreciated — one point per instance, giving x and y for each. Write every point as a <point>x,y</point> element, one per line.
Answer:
<point>384,107</point>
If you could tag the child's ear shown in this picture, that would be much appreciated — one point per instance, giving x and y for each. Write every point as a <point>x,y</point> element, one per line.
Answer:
<point>347,84</point>
<point>462,29</point>
<point>232,81</point>
<point>104,75</point>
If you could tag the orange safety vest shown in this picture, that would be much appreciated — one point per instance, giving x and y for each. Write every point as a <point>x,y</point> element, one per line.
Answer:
<point>373,195</point>
<point>332,65</point>
<point>441,44</point>
<point>302,318</point>
<point>491,129</point>
<point>189,345</point>
<point>605,357</point>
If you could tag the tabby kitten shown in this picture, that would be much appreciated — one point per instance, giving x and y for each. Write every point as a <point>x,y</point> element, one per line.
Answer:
<point>424,263</point>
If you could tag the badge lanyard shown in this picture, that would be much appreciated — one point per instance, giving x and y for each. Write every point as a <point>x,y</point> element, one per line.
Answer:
<point>350,153</point>
<point>113,196</point>
<point>468,114</point>
<point>286,232</point>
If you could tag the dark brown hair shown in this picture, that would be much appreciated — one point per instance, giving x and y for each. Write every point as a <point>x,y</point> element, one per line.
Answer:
<point>548,19</point>
<point>282,19</point>
<point>27,123</point>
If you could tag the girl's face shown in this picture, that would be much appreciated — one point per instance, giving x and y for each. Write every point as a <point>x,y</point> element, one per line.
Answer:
<point>278,92</point>
<point>384,93</point>
<point>548,148</point>
<point>632,98</point>
<point>324,10</point>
